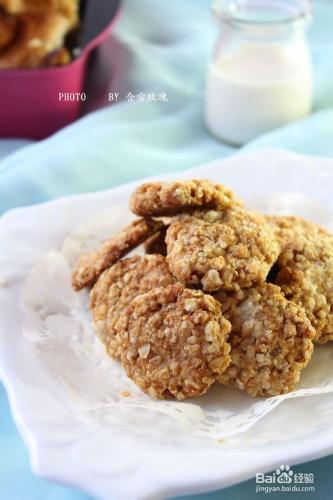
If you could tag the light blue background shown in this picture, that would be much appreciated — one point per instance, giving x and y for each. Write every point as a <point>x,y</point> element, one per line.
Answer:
<point>163,47</point>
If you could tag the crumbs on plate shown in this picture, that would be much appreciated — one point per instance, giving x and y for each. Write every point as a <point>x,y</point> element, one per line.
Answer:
<point>222,295</point>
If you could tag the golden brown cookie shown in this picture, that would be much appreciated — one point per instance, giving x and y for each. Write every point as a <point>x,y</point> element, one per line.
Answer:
<point>289,228</point>
<point>305,274</point>
<point>161,198</point>
<point>38,35</point>
<point>58,57</point>
<point>230,249</point>
<point>156,243</point>
<point>68,8</point>
<point>271,340</point>
<point>8,29</point>
<point>174,342</point>
<point>117,287</point>
<point>90,265</point>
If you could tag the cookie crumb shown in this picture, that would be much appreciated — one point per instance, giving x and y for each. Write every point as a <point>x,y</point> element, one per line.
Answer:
<point>125,394</point>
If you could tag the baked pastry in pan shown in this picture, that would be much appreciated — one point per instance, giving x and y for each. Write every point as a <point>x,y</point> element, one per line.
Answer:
<point>33,33</point>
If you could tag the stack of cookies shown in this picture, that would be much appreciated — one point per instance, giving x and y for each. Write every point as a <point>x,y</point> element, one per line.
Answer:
<point>33,32</point>
<point>221,295</point>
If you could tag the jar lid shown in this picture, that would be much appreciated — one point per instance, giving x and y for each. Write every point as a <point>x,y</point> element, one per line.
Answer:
<point>263,12</point>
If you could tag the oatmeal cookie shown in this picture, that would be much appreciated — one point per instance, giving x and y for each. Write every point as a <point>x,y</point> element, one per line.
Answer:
<point>174,342</point>
<point>91,264</point>
<point>271,340</point>
<point>231,249</point>
<point>9,26</point>
<point>156,243</point>
<point>161,198</point>
<point>117,287</point>
<point>305,274</point>
<point>289,228</point>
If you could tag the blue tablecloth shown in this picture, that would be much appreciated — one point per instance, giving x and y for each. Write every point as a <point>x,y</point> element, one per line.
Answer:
<point>164,49</point>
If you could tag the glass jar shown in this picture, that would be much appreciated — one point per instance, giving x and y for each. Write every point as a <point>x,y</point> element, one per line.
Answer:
<point>260,76</point>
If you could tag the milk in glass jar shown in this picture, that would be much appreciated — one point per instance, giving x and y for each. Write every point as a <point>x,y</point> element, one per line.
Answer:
<point>260,76</point>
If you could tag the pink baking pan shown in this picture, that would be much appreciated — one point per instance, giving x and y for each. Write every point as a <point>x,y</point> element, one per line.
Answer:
<point>35,103</point>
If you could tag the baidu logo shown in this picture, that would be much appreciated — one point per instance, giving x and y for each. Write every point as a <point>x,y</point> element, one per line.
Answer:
<point>284,474</point>
<point>284,480</point>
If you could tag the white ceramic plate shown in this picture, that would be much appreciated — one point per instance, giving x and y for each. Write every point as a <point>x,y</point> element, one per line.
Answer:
<point>119,462</point>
